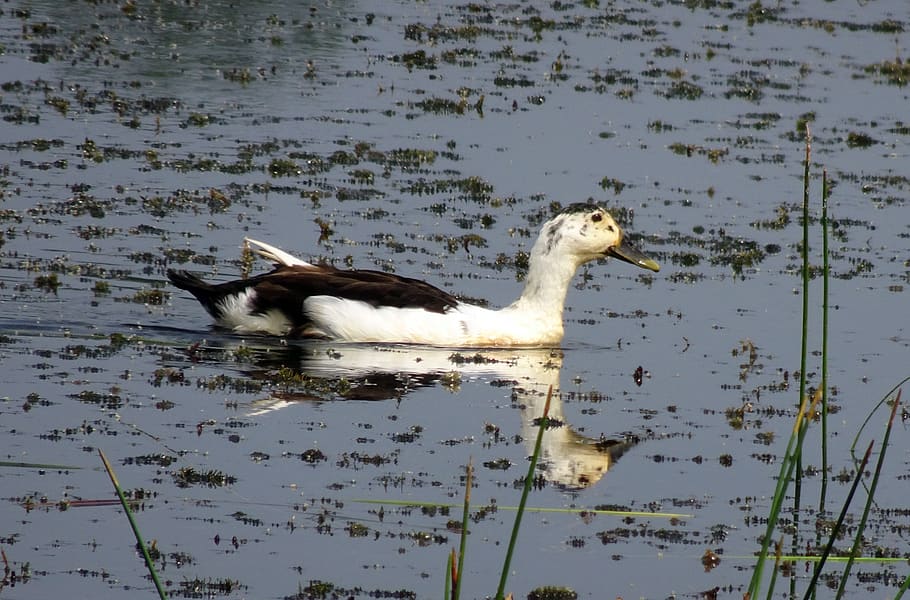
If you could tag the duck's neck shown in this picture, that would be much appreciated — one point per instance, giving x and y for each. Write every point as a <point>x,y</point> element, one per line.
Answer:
<point>547,284</point>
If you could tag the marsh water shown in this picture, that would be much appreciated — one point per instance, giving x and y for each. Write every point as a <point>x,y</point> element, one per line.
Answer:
<point>431,140</point>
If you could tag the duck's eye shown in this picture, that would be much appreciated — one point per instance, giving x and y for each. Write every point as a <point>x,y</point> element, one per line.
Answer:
<point>597,217</point>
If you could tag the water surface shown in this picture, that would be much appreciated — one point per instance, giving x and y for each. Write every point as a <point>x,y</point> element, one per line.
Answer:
<point>432,140</point>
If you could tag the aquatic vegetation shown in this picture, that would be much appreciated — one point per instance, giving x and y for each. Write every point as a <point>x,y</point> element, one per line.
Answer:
<point>188,476</point>
<point>154,297</point>
<point>859,140</point>
<point>313,456</point>
<point>685,90</point>
<point>234,384</point>
<point>612,183</point>
<point>198,120</point>
<point>473,189</point>
<point>781,221</point>
<point>48,283</point>
<point>896,72</point>
<point>757,13</point>
<point>685,259</point>
<point>167,375</point>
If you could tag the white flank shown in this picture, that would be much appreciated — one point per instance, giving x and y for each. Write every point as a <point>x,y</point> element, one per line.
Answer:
<point>236,314</point>
<point>465,325</point>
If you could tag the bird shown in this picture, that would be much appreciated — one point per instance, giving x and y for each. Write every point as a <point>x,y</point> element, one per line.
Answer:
<point>298,299</point>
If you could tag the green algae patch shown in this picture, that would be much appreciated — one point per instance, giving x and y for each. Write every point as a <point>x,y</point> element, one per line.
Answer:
<point>894,72</point>
<point>213,478</point>
<point>857,139</point>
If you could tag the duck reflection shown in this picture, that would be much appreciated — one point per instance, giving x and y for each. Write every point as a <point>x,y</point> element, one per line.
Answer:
<point>322,371</point>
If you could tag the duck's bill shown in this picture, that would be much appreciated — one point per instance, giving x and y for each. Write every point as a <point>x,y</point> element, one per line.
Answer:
<point>633,255</point>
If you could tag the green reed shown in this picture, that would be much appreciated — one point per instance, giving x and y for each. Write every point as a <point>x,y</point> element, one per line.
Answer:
<point>544,423</point>
<point>455,566</point>
<point>129,515</point>
<point>824,384</point>
<point>791,464</point>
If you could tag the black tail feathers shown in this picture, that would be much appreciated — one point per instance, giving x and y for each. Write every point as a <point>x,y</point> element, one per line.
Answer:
<point>205,293</point>
<point>187,281</point>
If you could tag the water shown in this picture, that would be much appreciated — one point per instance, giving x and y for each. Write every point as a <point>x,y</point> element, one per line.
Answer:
<point>137,138</point>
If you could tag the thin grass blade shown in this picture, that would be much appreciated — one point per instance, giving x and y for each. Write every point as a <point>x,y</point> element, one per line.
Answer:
<point>857,542</point>
<point>544,422</point>
<point>45,466</point>
<point>798,477</point>
<point>840,522</point>
<point>824,383</point>
<point>136,533</point>
<point>800,426</point>
<point>458,570</point>
<point>778,549</point>
<point>450,575</point>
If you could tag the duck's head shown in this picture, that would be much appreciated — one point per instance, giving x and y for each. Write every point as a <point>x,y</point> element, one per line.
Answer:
<point>588,232</point>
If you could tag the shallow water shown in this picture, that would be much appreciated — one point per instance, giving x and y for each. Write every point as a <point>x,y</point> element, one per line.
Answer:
<point>431,141</point>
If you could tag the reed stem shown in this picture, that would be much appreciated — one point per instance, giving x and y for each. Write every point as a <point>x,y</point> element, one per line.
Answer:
<point>798,477</point>
<point>544,423</point>
<point>857,541</point>
<point>824,383</point>
<point>136,533</point>
<point>450,575</point>
<point>837,526</point>
<point>458,568</point>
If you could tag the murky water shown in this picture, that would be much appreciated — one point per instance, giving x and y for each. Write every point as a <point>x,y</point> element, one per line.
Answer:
<point>432,140</point>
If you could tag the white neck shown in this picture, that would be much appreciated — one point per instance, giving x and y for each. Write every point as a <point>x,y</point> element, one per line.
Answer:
<point>549,276</point>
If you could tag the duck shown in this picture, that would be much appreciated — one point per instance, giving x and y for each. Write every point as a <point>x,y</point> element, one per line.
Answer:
<point>299,299</point>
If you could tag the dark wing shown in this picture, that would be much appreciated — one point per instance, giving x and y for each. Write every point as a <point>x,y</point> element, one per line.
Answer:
<point>286,287</point>
<point>373,287</point>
